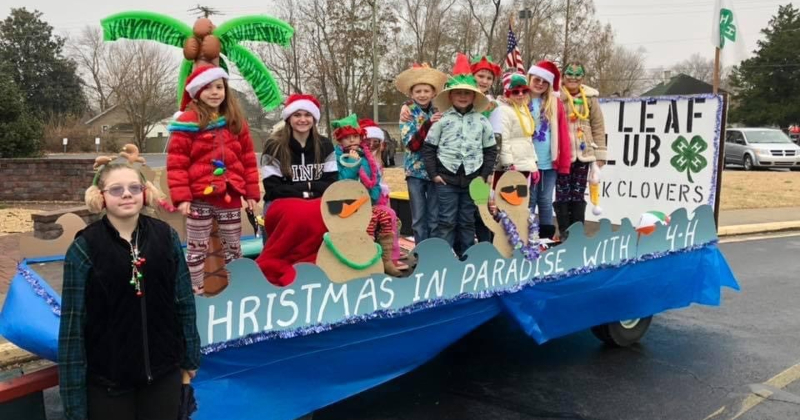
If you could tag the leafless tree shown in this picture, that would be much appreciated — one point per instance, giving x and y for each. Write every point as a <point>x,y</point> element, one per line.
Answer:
<point>480,18</point>
<point>697,66</point>
<point>89,51</point>
<point>143,75</point>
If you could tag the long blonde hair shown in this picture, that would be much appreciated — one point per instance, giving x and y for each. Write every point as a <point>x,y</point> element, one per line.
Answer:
<point>549,101</point>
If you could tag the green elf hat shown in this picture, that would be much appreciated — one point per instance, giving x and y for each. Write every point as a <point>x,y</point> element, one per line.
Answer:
<point>347,126</point>
<point>484,62</point>
<point>462,79</point>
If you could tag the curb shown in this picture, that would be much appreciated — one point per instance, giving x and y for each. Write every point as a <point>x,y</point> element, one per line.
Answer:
<point>757,228</point>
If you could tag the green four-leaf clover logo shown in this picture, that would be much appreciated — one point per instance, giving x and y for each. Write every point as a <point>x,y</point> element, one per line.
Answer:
<point>689,157</point>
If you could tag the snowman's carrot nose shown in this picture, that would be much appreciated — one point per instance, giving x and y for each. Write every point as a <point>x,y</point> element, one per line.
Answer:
<point>350,209</point>
<point>512,197</point>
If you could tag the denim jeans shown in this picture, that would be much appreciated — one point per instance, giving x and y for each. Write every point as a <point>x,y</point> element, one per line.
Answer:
<point>542,196</point>
<point>456,209</point>
<point>424,207</point>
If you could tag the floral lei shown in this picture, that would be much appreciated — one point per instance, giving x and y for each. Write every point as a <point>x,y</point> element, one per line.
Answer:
<point>530,251</point>
<point>544,124</point>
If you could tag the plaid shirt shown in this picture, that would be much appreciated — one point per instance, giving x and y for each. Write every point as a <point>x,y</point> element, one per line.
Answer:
<point>71,350</point>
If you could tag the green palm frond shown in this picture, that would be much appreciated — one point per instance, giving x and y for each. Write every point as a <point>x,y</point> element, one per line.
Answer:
<point>254,28</point>
<point>183,74</point>
<point>257,74</point>
<point>145,25</point>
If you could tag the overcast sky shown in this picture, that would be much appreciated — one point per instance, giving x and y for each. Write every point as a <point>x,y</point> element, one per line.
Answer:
<point>669,30</point>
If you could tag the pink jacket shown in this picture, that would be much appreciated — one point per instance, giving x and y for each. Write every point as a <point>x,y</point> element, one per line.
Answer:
<point>560,142</point>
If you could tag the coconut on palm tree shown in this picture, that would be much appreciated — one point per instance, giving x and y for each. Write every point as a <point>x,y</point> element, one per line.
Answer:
<point>205,43</point>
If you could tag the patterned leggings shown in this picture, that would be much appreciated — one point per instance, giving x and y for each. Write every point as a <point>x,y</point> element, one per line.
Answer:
<point>572,187</point>
<point>384,222</point>
<point>198,231</point>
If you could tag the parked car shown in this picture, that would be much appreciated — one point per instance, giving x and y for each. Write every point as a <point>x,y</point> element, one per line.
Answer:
<point>761,148</point>
<point>795,138</point>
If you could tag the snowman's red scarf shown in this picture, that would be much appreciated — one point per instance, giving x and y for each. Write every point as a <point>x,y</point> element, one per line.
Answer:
<point>294,228</point>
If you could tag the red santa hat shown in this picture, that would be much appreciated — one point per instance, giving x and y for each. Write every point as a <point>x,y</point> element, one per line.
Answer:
<point>198,80</point>
<point>548,71</point>
<point>372,130</point>
<point>299,102</point>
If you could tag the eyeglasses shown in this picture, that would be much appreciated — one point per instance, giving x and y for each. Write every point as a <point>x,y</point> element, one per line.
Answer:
<point>119,190</point>
<point>519,91</point>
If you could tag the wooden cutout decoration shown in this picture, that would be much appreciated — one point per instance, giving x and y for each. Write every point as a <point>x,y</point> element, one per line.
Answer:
<point>176,219</point>
<point>215,276</point>
<point>247,228</point>
<point>32,247</point>
<point>346,211</point>
<point>511,195</point>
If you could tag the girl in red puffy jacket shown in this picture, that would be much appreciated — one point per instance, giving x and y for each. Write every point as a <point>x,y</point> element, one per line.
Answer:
<point>211,167</point>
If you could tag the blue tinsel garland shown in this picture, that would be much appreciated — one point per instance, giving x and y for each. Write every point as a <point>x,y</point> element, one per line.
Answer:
<point>392,313</point>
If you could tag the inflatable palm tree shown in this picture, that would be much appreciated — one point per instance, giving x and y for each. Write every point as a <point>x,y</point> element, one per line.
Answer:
<point>204,43</point>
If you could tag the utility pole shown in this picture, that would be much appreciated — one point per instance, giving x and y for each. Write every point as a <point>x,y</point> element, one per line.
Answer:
<point>375,60</point>
<point>526,14</point>
<point>565,57</point>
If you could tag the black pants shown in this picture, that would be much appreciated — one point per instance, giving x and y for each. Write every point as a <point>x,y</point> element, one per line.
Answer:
<point>157,401</point>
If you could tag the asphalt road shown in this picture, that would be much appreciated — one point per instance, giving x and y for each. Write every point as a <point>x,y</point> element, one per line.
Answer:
<point>691,364</point>
<point>699,363</point>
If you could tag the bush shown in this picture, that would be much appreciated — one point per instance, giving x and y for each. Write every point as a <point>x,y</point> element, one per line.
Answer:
<point>20,130</point>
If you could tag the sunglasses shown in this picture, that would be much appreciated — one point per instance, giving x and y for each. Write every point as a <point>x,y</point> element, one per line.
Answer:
<point>519,91</point>
<point>539,81</point>
<point>336,206</point>
<point>522,190</point>
<point>119,190</point>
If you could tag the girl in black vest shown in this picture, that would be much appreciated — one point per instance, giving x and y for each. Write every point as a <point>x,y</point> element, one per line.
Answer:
<point>128,331</point>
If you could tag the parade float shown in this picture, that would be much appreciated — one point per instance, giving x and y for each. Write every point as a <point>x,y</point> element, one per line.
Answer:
<point>342,326</point>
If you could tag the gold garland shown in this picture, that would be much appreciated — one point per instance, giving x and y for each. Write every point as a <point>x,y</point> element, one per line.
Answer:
<point>574,113</point>
<point>527,111</point>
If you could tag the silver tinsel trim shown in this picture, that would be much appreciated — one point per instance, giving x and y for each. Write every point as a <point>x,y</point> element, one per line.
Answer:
<point>37,287</point>
<point>393,313</point>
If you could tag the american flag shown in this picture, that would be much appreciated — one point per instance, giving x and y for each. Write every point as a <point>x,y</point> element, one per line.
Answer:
<point>513,56</point>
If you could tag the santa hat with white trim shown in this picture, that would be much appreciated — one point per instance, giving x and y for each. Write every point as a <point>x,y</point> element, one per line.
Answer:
<point>299,102</point>
<point>198,80</point>
<point>548,71</point>
<point>373,131</point>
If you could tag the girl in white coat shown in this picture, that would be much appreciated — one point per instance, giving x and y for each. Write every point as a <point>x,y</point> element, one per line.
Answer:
<point>518,125</point>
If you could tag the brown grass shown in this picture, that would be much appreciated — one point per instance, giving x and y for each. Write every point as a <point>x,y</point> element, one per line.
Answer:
<point>760,189</point>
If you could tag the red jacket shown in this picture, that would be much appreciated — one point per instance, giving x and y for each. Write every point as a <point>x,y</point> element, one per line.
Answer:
<point>563,162</point>
<point>190,166</point>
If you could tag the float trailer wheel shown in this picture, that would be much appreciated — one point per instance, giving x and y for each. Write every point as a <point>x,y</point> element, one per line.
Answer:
<point>622,333</point>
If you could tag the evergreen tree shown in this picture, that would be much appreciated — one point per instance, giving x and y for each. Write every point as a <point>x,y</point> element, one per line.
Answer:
<point>48,81</point>
<point>20,130</point>
<point>767,85</point>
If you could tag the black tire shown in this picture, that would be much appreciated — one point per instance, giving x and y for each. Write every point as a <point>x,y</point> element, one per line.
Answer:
<point>622,333</point>
<point>747,162</point>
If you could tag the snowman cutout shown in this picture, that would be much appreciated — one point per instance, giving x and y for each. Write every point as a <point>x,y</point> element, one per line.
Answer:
<point>512,195</point>
<point>347,251</point>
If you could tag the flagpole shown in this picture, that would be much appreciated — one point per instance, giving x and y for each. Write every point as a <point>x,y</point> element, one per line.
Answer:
<point>716,70</point>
